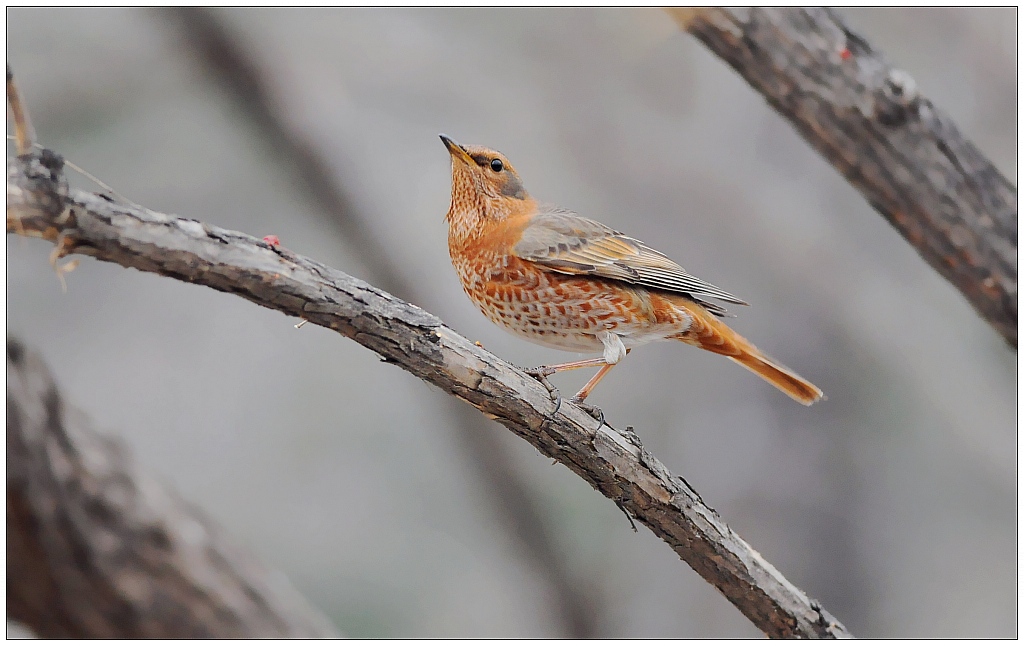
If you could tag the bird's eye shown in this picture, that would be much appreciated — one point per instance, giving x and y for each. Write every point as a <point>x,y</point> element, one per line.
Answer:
<point>497,166</point>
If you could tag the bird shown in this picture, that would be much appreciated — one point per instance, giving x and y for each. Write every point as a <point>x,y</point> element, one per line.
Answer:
<point>566,282</point>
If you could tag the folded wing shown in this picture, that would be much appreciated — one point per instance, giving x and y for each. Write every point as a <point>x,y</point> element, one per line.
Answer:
<point>566,243</point>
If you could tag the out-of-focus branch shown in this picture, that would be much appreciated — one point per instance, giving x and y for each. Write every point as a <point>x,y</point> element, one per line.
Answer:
<point>868,119</point>
<point>97,550</point>
<point>22,126</point>
<point>221,55</point>
<point>613,462</point>
<point>218,48</point>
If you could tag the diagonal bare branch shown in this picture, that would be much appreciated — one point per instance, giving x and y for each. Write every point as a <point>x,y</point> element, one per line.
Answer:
<point>613,462</point>
<point>221,52</point>
<point>868,119</point>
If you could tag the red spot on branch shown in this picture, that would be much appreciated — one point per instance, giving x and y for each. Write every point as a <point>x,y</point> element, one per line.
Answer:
<point>272,240</point>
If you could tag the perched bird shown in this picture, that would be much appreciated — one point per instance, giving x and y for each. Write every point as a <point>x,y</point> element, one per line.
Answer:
<point>566,282</point>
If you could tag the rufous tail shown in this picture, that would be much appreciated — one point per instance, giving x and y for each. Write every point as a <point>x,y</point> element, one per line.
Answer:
<point>709,333</point>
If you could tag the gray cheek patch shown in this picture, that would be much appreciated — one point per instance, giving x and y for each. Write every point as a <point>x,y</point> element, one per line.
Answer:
<point>512,187</point>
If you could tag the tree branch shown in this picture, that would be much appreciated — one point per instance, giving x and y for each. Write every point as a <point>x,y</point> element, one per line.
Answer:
<point>613,462</point>
<point>219,51</point>
<point>868,119</point>
<point>97,550</point>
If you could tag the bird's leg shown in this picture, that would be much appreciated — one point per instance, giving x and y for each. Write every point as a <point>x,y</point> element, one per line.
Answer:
<point>589,386</point>
<point>578,398</point>
<point>541,373</point>
<point>562,367</point>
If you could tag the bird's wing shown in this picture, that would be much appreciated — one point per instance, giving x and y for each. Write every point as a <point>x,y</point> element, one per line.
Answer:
<point>566,243</point>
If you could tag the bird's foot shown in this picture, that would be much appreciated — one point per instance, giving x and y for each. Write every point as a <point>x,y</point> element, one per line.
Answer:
<point>541,374</point>
<point>591,410</point>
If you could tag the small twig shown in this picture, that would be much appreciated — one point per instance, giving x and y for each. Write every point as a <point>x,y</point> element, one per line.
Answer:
<point>61,249</point>
<point>628,517</point>
<point>81,171</point>
<point>22,126</point>
<point>99,182</point>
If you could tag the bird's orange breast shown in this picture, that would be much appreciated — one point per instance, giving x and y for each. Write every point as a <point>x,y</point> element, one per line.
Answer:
<point>552,309</point>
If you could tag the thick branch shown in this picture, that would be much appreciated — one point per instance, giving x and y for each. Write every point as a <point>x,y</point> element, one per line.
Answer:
<point>97,550</point>
<point>613,462</point>
<point>867,118</point>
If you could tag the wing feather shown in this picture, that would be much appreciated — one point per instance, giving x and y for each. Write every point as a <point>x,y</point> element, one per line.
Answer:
<point>564,242</point>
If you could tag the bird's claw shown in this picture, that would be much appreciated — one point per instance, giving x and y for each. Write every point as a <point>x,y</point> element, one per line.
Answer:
<point>541,375</point>
<point>590,409</point>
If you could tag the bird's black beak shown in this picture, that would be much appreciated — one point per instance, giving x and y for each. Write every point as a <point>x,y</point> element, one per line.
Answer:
<point>455,149</point>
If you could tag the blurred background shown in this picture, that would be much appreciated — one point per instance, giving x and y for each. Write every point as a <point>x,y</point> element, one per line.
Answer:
<point>894,502</point>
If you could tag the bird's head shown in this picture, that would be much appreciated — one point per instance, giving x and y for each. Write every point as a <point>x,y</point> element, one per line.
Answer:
<point>484,185</point>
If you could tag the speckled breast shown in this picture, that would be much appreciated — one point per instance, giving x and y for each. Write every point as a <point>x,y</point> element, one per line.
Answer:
<point>560,311</point>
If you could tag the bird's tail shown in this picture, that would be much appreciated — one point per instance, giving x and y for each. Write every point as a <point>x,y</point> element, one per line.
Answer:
<point>709,333</point>
<point>779,376</point>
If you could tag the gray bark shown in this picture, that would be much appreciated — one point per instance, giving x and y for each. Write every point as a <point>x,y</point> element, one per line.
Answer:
<point>95,549</point>
<point>613,462</point>
<point>869,120</point>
